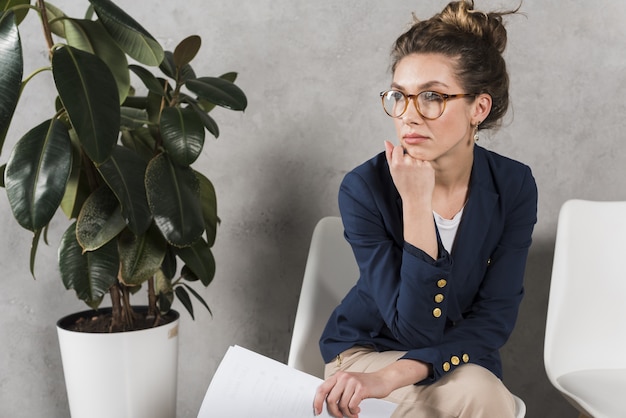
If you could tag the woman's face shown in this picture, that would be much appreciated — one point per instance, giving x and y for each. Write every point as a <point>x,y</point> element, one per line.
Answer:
<point>450,135</point>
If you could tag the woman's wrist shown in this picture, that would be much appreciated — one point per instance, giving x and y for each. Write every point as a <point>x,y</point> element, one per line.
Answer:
<point>404,372</point>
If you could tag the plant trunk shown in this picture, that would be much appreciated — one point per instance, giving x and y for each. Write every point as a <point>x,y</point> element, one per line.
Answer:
<point>116,310</point>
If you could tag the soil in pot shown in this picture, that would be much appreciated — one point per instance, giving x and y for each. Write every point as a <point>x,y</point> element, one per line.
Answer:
<point>99,321</point>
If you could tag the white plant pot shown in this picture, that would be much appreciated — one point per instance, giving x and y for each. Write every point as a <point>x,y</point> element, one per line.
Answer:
<point>121,375</point>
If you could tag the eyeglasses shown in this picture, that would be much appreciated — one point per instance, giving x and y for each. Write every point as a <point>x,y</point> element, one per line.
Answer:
<point>429,104</point>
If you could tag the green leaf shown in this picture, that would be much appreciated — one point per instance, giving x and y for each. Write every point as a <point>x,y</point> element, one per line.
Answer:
<point>141,141</point>
<point>208,122</point>
<point>168,267</point>
<point>55,19</point>
<point>129,34</point>
<point>174,199</point>
<point>140,256</point>
<point>99,220</point>
<point>33,251</point>
<point>90,36</point>
<point>186,50</point>
<point>184,298</point>
<point>11,70</point>
<point>77,188</point>
<point>148,79</point>
<point>37,172</point>
<point>230,76</point>
<point>168,66</point>
<point>3,168</point>
<point>89,93</point>
<point>209,207</point>
<point>197,296</point>
<point>124,172</point>
<point>91,274</point>
<point>200,260</point>
<point>133,118</point>
<point>219,91</point>
<point>183,134</point>
<point>20,14</point>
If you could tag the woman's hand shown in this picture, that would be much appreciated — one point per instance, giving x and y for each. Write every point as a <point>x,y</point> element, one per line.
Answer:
<point>415,181</point>
<point>344,391</point>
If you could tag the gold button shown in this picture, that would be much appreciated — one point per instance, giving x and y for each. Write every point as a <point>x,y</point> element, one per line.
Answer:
<point>441,283</point>
<point>439,298</point>
<point>465,358</point>
<point>489,262</point>
<point>446,367</point>
<point>455,360</point>
<point>436,312</point>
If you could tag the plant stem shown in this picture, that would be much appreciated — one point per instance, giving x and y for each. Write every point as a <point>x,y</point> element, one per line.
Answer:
<point>46,26</point>
<point>116,309</point>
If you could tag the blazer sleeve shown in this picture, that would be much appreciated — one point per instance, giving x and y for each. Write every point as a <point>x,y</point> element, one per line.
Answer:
<point>394,275</point>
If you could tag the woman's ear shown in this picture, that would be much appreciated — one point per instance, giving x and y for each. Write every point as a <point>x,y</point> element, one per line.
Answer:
<point>482,107</point>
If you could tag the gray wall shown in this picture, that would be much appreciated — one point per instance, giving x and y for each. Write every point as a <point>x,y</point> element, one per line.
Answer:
<point>312,71</point>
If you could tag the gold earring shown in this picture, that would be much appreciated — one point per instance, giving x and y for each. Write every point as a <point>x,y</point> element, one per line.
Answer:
<point>476,137</point>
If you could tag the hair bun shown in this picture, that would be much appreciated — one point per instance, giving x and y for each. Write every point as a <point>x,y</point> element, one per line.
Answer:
<point>486,26</point>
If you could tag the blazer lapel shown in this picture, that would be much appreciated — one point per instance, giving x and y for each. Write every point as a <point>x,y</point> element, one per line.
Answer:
<point>476,218</point>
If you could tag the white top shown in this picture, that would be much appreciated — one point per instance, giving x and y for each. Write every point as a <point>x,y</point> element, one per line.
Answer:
<point>448,228</point>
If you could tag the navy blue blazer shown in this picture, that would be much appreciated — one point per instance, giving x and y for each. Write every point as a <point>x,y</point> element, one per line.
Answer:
<point>456,309</point>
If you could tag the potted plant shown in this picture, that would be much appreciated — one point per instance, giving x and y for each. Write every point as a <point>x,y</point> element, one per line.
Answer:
<point>118,164</point>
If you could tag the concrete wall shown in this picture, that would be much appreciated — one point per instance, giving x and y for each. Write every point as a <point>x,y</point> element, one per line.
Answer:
<point>312,71</point>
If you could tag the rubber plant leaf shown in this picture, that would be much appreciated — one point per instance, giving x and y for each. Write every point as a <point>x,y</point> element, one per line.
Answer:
<point>128,34</point>
<point>139,140</point>
<point>91,274</point>
<point>20,14</point>
<point>88,92</point>
<point>55,19</point>
<point>184,298</point>
<point>148,79</point>
<point>140,255</point>
<point>218,91</point>
<point>174,199</point>
<point>100,220</point>
<point>183,134</point>
<point>197,296</point>
<point>208,106</point>
<point>77,189</point>
<point>200,260</point>
<point>37,172</point>
<point>11,71</point>
<point>133,118</point>
<point>124,172</point>
<point>209,207</point>
<point>90,36</point>
<point>186,50</point>
<point>168,267</point>
<point>208,122</point>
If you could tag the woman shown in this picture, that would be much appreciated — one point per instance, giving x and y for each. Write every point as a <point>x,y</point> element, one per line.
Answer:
<point>440,229</point>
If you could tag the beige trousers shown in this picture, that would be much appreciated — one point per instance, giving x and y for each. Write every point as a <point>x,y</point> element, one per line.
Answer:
<point>470,391</point>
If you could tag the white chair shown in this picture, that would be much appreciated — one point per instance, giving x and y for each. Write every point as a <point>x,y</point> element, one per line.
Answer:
<point>585,340</point>
<point>329,273</point>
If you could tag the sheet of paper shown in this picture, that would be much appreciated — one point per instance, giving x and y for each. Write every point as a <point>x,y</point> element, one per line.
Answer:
<point>250,385</point>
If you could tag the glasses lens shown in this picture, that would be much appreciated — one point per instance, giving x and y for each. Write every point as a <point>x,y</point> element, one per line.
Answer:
<point>430,104</point>
<point>394,103</point>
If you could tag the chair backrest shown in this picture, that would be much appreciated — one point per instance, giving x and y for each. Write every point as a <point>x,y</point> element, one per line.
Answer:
<point>330,272</point>
<point>586,320</point>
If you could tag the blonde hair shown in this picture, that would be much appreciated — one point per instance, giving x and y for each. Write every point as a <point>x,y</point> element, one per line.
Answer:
<point>475,40</point>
